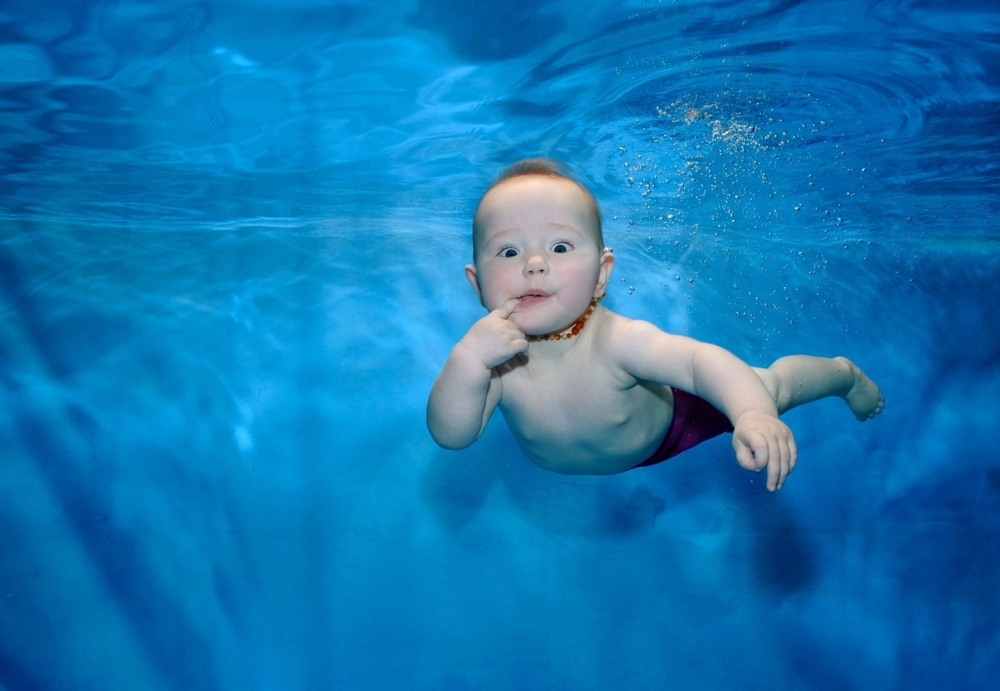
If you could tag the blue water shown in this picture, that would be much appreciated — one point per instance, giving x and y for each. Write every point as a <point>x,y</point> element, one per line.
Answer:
<point>231,247</point>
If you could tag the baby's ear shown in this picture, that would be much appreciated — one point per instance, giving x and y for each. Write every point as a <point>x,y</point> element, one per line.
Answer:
<point>470,273</point>
<point>604,275</point>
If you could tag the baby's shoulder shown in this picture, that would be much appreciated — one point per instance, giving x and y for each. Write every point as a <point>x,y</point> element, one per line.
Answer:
<point>616,329</point>
<point>623,340</point>
<point>615,333</point>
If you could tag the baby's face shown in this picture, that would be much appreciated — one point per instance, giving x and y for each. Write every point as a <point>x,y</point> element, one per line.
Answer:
<point>538,241</point>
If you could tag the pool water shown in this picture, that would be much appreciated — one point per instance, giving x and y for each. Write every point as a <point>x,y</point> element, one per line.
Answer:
<point>231,248</point>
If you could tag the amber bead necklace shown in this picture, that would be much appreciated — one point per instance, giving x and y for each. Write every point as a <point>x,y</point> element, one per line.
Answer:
<point>573,330</point>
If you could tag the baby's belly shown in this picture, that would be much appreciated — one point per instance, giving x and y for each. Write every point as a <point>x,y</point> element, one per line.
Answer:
<point>601,443</point>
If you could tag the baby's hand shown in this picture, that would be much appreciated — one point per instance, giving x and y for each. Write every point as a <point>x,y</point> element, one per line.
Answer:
<point>495,339</point>
<point>763,441</point>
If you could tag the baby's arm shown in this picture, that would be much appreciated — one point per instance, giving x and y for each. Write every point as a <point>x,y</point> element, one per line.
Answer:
<point>467,390</point>
<point>760,439</point>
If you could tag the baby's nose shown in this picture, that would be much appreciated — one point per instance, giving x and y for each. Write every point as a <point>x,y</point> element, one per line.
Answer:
<point>535,265</point>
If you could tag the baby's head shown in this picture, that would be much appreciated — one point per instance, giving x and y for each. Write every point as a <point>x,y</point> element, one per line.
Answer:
<point>537,240</point>
<point>544,168</point>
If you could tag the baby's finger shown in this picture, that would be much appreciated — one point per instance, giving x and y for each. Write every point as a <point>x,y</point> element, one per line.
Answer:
<point>791,459</point>
<point>785,467</point>
<point>776,469</point>
<point>520,345</point>
<point>744,454</point>
<point>504,310</point>
<point>763,453</point>
<point>752,452</point>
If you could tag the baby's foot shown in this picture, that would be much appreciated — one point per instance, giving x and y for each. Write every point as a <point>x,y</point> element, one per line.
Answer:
<point>864,399</point>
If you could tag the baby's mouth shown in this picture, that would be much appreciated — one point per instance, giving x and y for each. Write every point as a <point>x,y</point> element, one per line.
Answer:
<point>532,298</point>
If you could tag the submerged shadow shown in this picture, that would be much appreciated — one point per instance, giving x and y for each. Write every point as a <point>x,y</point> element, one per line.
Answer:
<point>457,485</point>
<point>783,561</point>
<point>580,504</point>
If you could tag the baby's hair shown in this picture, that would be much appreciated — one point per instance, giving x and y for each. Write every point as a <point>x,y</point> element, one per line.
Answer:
<point>547,167</point>
<point>534,166</point>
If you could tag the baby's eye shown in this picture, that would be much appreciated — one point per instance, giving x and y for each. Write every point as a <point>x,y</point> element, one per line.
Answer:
<point>508,252</point>
<point>561,247</point>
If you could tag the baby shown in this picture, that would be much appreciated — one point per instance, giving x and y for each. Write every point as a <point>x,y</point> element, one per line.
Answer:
<point>585,390</point>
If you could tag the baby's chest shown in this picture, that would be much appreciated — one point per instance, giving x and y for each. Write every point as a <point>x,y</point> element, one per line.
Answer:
<point>571,398</point>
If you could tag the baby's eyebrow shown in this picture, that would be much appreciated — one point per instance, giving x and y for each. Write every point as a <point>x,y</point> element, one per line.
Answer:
<point>503,236</point>
<point>499,237</point>
<point>505,231</point>
<point>563,227</point>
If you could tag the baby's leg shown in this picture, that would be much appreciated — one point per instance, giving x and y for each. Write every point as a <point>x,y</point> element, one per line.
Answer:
<point>799,379</point>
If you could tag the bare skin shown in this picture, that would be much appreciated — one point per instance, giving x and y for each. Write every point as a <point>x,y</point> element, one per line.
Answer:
<point>601,401</point>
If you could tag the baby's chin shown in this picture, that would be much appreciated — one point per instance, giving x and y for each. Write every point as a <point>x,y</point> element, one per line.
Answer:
<point>519,323</point>
<point>527,326</point>
<point>535,329</point>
